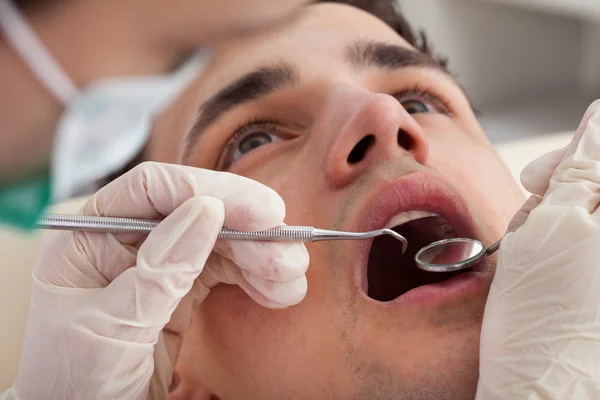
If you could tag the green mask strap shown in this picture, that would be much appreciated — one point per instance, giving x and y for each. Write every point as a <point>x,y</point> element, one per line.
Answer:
<point>22,203</point>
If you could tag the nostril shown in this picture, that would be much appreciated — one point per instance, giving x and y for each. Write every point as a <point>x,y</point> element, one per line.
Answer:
<point>360,150</point>
<point>404,140</point>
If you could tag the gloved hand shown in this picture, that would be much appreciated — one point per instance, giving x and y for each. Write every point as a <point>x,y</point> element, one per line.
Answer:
<point>541,328</point>
<point>100,301</point>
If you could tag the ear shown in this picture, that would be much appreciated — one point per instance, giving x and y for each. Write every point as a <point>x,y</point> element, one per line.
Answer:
<point>184,387</point>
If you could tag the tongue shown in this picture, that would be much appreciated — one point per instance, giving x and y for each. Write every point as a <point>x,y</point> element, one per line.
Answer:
<point>391,274</point>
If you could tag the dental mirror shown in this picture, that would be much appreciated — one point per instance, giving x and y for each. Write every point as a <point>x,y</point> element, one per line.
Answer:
<point>450,255</point>
<point>454,254</point>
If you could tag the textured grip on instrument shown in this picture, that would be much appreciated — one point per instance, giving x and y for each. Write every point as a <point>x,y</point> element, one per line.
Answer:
<point>280,233</point>
<point>96,224</point>
<point>85,223</point>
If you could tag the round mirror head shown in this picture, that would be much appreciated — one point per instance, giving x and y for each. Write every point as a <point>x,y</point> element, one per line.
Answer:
<point>450,255</point>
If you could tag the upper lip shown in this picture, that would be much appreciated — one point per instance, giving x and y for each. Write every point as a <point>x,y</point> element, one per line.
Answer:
<point>422,191</point>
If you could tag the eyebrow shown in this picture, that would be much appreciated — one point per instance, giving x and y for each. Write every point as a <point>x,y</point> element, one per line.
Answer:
<point>252,86</point>
<point>367,53</point>
<point>363,54</point>
<point>265,80</point>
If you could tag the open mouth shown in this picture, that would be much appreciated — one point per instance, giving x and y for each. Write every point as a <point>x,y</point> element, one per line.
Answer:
<point>390,273</point>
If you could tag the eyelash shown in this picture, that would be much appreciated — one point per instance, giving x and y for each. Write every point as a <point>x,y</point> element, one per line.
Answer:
<point>266,125</point>
<point>424,93</point>
<point>254,124</point>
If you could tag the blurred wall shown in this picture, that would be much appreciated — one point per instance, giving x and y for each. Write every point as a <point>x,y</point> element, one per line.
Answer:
<point>529,71</point>
<point>590,66</point>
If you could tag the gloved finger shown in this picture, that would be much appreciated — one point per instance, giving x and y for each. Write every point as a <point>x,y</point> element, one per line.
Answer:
<point>276,270</point>
<point>532,202</point>
<point>274,261</point>
<point>75,266</point>
<point>168,347</point>
<point>154,190</point>
<point>268,294</point>
<point>286,293</point>
<point>181,319</point>
<point>576,181</point>
<point>166,351</point>
<point>143,298</point>
<point>258,297</point>
<point>536,175</point>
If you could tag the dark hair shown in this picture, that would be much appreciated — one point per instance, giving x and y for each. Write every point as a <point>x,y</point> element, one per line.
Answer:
<point>33,5</point>
<point>389,12</point>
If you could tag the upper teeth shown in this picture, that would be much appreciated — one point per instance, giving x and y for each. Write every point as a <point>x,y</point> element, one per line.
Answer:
<point>407,216</point>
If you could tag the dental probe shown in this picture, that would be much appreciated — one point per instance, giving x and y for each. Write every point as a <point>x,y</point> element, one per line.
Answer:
<point>95,224</point>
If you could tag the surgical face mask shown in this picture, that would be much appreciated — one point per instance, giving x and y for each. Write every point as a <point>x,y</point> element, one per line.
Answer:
<point>103,127</point>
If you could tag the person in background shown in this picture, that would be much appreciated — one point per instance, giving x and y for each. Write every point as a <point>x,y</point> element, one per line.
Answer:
<point>81,81</point>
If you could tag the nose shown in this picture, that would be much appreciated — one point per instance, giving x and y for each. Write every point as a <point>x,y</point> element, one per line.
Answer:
<point>373,128</point>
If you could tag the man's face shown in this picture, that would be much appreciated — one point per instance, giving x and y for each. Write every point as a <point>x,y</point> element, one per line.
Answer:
<point>351,127</point>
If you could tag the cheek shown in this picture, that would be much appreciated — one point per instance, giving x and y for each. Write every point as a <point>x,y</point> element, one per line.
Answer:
<point>248,343</point>
<point>240,344</point>
<point>482,178</point>
<point>239,340</point>
<point>296,182</point>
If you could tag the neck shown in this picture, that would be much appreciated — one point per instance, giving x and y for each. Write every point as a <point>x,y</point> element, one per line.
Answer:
<point>91,40</point>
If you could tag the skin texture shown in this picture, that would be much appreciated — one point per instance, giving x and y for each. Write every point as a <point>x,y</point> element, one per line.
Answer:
<point>337,343</point>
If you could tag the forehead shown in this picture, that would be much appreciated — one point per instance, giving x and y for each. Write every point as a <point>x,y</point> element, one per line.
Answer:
<point>317,40</point>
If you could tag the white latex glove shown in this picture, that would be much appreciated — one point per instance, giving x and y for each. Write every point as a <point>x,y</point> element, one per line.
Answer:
<point>100,301</point>
<point>541,328</point>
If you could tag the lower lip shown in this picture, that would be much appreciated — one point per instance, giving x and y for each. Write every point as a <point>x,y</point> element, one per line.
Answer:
<point>467,284</point>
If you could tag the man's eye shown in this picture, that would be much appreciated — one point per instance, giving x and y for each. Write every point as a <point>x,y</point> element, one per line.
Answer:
<point>245,140</point>
<point>254,140</point>
<point>414,106</point>
<point>418,100</point>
